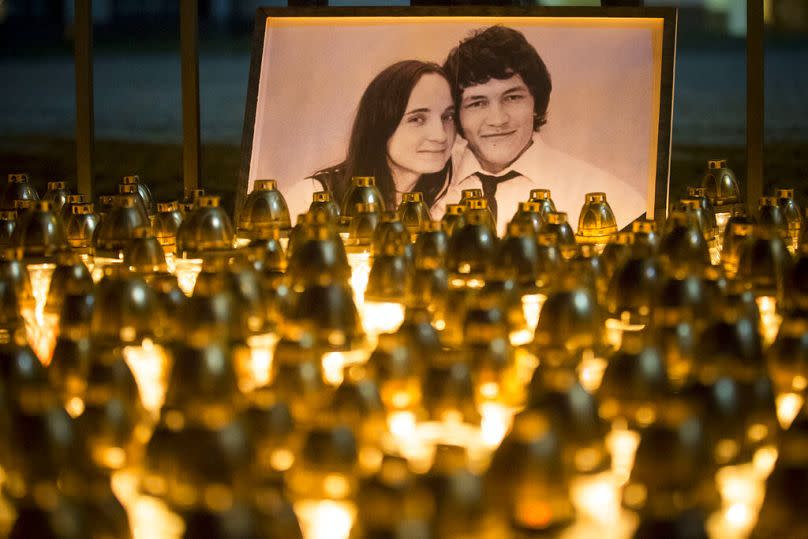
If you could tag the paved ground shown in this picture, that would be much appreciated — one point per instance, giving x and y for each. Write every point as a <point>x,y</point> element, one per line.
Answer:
<point>138,96</point>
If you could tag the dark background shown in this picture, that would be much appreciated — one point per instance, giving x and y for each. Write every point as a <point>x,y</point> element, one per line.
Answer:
<point>138,118</point>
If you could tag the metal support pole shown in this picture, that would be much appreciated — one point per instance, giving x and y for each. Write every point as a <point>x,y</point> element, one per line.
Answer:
<point>621,3</point>
<point>85,130</point>
<point>189,50</point>
<point>754,103</point>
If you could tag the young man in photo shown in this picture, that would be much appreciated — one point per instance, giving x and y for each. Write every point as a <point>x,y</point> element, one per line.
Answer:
<point>501,88</point>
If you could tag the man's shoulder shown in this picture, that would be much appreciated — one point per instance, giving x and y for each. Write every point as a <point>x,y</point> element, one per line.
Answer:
<point>569,167</point>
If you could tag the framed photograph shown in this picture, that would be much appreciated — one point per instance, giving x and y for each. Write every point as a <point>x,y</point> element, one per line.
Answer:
<point>440,99</point>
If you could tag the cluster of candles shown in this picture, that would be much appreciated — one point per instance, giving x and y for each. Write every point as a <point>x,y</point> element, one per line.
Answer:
<point>372,373</point>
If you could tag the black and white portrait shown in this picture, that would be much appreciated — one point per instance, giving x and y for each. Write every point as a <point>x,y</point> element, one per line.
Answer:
<point>440,104</point>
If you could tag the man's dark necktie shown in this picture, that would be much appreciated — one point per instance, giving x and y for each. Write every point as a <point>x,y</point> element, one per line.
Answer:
<point>490,184</point>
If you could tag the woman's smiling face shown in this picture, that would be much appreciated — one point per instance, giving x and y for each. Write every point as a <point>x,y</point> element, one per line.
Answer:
<point>422,142</point>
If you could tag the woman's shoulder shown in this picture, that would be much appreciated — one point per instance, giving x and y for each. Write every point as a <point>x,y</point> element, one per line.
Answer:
<point>299,195</point>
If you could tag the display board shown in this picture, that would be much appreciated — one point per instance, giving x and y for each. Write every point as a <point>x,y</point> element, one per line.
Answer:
<point>604,114</point>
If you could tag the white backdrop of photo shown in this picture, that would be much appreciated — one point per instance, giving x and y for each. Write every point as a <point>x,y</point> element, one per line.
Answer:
<point>604,105</point>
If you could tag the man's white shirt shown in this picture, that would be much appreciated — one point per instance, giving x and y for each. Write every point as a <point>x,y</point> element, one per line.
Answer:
<point>542,167</point>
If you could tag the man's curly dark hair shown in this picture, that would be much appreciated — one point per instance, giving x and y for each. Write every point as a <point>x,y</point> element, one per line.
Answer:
<point>498,52</point>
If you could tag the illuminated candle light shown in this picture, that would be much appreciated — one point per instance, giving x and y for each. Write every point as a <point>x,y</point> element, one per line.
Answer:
<point>531,305</point>
<point>715,254</point>
<point>788,406</point>
<point>40,275</point>
<point>742,492</point>
<point>721,220</point>
<point>187,270</point>
<point>207,228</point>
<point>360,271</point>
<point>239,243</point>
<point>520,337</point>
<point>261,347</point>
<point>590,371</point>
<point>38,236</point>
<point>322,483</point>
<point>616,327</point>
<point>406,439</point>
<point>101,262</point>
<point>770,320</point>
<point>41,331</point>
<point>764,460</point>
<point>41,327</point>
<point>596,497</point>
<point>336,363</point>
<point>325,519</point>
<point>622,444</point>
<point>149,365</point>
<point>496,421</point>
<point>171,263</point>
<point>149,517</point>
<point>381,317</point>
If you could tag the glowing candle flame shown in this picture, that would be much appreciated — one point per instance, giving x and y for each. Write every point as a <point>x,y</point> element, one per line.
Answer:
<point>325,519</point>
<point>262,348</point>
<point>381,317</point>
<point>360,272</point>
<point>187,271</point>
<point>590,371</point>
<point>148,516</point>
<point>401,424</point>
<point>764,460</point>
<point>520,337</point>
<point>239,242</point>
<point>41,331</point>
<point>99,263</point>
<point>495,423</point>
<point>615,327</point>
<point>41,328</point>
<point>40,275</point>
<point>335,364</point>
<point>769,319</point>
<point>531,308</point>
<point>622,444</point>
<point>171,263</point>
<point>742,491</point>
<point>149,365</point>
<point>715,255</point>
<point>788,406</point>
<point>721,219</point>
<point>596,497</point>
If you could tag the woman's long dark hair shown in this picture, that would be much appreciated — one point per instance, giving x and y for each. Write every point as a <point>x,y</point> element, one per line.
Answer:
<point>380,111</point>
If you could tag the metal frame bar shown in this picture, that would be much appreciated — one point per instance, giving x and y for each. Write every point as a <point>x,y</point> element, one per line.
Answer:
<point>754,103</point>
<point>85,116</point>
<point>189,52</point>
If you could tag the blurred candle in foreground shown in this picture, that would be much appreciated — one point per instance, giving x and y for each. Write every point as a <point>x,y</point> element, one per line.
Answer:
<point>622,444</point>
<point>742,492</point>
<point>325,519</point>
<point>149,364</point>
<point>769,318</point>
<point>360,270</point>
<point>187,271</point>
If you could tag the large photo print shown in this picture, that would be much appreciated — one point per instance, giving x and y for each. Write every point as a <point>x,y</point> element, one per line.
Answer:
<point>443,104</point>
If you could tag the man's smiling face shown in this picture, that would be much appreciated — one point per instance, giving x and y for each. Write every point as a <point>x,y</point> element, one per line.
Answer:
<point>497,120</point>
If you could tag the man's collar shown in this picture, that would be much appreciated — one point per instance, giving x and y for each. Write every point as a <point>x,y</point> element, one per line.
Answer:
<point>468,164</point>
